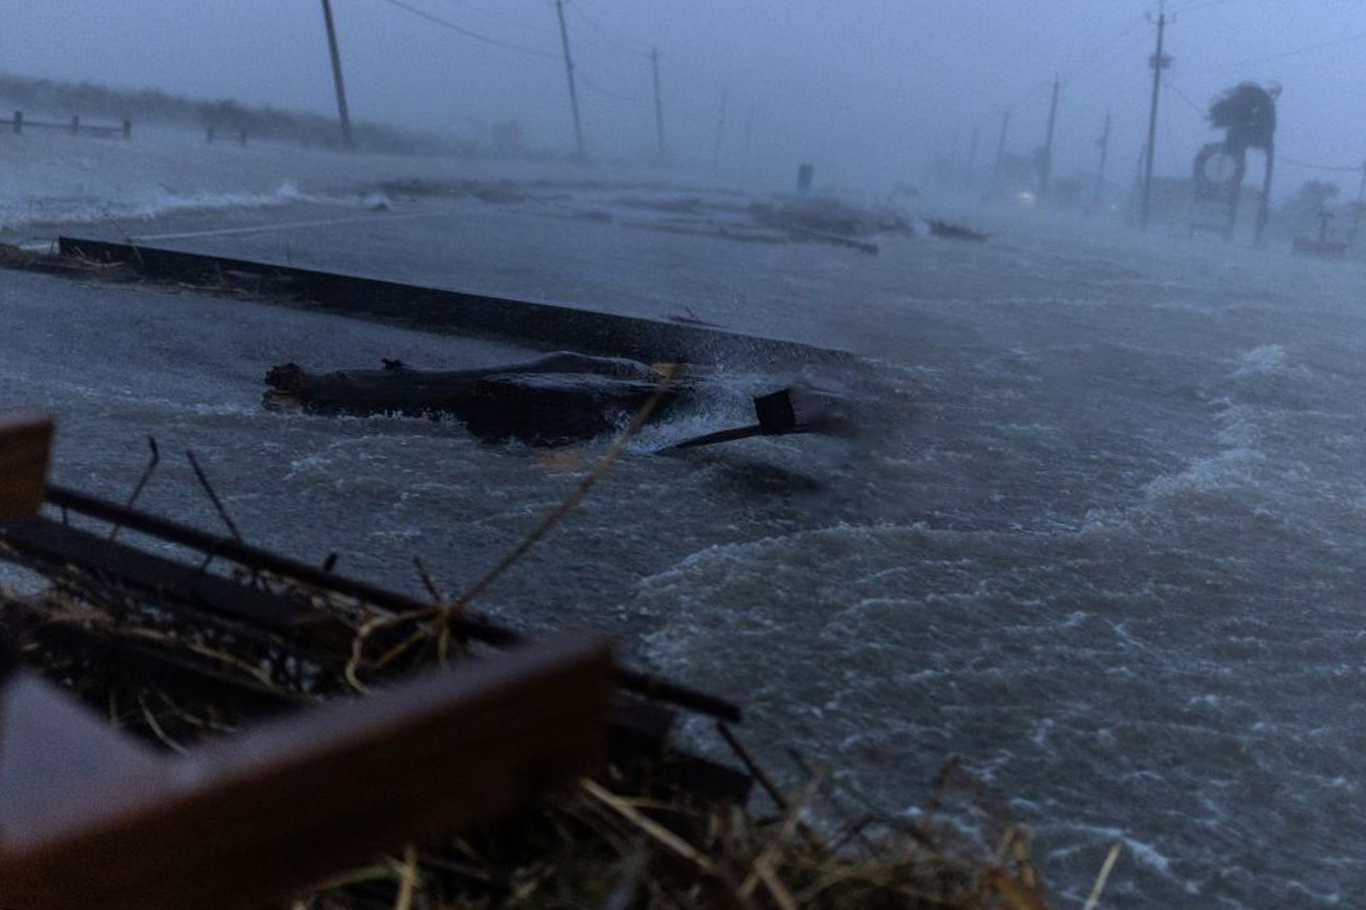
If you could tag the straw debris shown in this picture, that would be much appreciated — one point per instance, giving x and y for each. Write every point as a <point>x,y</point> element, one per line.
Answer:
<point>623,840</point>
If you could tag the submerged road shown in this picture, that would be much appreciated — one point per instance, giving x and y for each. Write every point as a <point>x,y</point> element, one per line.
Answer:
<point>1103,539</point>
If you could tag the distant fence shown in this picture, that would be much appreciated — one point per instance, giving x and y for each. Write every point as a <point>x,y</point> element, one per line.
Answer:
<point>74,126</point>
<point>214,134</point>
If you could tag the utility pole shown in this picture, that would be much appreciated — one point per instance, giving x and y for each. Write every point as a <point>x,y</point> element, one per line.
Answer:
<point>720,131</point>
<point>1001,145</point>
<point>1158,63</point>
<point>1046,165</point>
<point>659,107</point>
<point>569,71</point>
<point>1104,143</point>
<point>337,82</point>
<point>749,135</point>
<point>1356,208</point>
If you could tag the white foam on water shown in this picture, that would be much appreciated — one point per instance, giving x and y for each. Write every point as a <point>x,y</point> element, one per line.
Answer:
<point>1228,469</point>
<point>1144,853</point>
<point>1267,359</point>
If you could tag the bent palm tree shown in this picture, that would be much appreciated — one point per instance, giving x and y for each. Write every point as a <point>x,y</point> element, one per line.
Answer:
<point>1247,114</point>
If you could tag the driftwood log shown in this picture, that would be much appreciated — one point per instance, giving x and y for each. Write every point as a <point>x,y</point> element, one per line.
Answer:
<point>557,399</point>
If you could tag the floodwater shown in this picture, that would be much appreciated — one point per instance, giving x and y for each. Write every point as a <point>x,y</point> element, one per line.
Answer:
<point>1102,536</point>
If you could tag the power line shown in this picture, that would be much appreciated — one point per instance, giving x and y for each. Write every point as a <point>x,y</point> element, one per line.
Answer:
<point>522,24</point>
<point>1103,52</point>
<point>615,44</point>
<point>1318,167</point>
<point>460,29</point>
<point>1171,83</point>
<point>1199,6</point>
<point>621,96</point>
<point>1107,47</point>
<point>1295,53</point>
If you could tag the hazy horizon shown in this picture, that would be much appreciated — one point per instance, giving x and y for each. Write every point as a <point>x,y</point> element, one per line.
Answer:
<point>868,93</point>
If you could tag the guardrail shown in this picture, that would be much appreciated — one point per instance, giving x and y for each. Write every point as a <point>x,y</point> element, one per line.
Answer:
<point>18,123</point>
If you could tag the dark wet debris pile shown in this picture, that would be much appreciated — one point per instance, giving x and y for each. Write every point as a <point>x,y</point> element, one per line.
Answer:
<point>180,638</point>
<point>634,837</point>
<point>950,231</point>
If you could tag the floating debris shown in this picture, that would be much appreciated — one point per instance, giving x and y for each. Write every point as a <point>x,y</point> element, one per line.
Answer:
<point>953,231</point>
<point>554,400</point>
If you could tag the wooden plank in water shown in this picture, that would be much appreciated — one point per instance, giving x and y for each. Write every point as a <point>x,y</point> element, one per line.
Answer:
<point>25,441</point>
<point>252,817</point>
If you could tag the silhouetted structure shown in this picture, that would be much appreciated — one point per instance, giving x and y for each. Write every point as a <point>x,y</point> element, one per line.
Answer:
<point>1247,114</point>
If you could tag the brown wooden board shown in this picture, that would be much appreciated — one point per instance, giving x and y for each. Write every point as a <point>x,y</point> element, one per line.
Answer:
<point>24,444</point>
<point>255,816</point>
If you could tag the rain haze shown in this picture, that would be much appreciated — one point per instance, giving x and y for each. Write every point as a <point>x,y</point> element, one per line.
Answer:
<point>868,90</point>
<point>931,437</point>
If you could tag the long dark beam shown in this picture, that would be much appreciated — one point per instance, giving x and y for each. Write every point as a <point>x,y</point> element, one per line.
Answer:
<point>257,558</point>
<point>54,544</point>
<point>533,322</point>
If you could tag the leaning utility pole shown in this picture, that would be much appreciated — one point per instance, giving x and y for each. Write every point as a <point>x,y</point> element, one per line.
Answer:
<point>659,107</point>
<point>569,71</point>
<point>1104,143</point>
<point>1046,165</point>
<point>749,136</point>
<point>1357,206</point>
<point>337,77</point>
<point>1001,145</point>
<point>1158,63</point>
<point>720,131</point>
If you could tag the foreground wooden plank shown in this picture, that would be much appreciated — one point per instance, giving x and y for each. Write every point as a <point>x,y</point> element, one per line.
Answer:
<point>250,818</point>
<point>25,441</point>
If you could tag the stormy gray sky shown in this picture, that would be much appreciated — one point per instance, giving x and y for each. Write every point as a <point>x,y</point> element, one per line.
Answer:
<point>865,89</point>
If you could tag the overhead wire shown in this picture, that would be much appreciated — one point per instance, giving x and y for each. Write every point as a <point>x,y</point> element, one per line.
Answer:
<point>1104,51</point>
<point>621,96</point>
<point>476,36</point>
<point>480,9</point>
<point>1185,10</point>
<point>613,43</point>
<point>1186,98</point>
<point>1357,36</point>
<point>1356,168</point>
